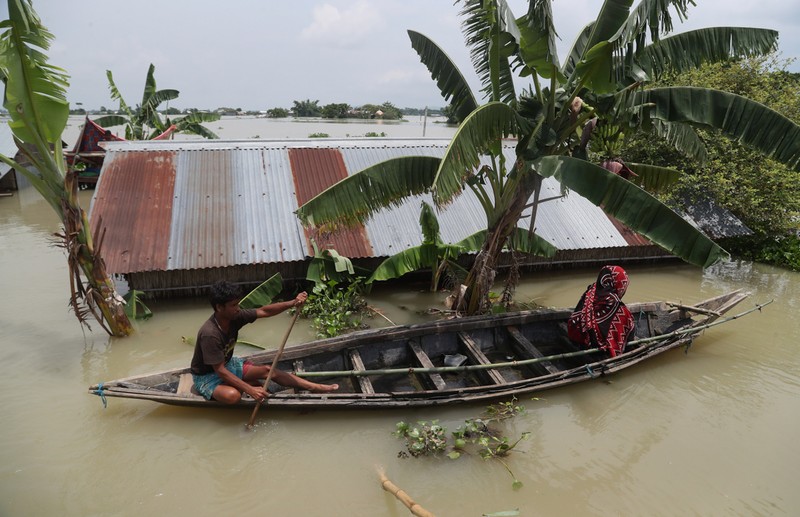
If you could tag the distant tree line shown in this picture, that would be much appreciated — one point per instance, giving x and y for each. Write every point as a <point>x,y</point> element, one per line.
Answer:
<point>305,108</point>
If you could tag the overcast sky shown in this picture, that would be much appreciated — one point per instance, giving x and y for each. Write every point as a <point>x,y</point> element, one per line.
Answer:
<point>259,54</point>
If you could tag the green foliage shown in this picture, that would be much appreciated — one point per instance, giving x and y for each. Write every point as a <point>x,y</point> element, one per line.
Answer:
<point>134,306</point>
<point>432,254</point>
<point>603,79</point>
<point>388,111</point>
<point>277,113</point>
<point>340,110</point>
<point>761,192</point>
<point>475,436</point>
<point>306,108</point>
<point>144,121</point>
<point>373,134</point>
<point>780,251</point>
<point>334,308</point>
<point>319,135</point>
<point>264,293</point>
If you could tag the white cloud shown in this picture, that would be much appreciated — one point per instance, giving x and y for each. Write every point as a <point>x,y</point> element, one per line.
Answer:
<point>343,27</point>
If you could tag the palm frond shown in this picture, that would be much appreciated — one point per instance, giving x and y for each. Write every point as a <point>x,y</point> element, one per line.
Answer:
<point>429,224</point>
<point>111,120</point>
<point>691,49</point>
<point>520,240</point>
<point>577,49</point>
<point>35,91</point>
<point>651,16</point>
<point>195,129</point>
<point>636,208</point>
<point>197,117</point>
<point>416,258</point>
<point>116,95</point>
<point>740,118</point>
<point>683,138</point>
<point>595,70</point>
<point>653,178</point>
<point>159,97</point>
<point>356,198</point>
<point>482,130</point>
<point>149,85</point>
<point>491,33</point>
<point>612,16</point>
<point>448,78</point>
<point>537,43</point>
<point>264,293</point>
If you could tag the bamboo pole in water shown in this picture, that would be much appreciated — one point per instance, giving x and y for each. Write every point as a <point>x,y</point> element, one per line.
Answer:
<point>403,497</point>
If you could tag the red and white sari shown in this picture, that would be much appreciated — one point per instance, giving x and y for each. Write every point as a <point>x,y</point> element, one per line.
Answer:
<point>600,319</point>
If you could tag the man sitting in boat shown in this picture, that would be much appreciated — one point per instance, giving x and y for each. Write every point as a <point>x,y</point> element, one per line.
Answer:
<point>216,372</point>
<point>600,319</point>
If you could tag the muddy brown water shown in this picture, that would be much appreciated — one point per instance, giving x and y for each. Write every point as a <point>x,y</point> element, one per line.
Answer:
<point>711,432</point>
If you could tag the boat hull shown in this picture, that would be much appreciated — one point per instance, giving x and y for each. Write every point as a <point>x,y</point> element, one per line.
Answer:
<point>504,356</point>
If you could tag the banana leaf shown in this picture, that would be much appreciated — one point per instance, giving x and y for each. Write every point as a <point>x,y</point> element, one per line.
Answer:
<point>134,306</point>
<point>264,293</point>
<point>636,208</point>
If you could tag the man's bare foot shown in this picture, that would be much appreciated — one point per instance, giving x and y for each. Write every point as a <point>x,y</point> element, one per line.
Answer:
<point>323,388</point>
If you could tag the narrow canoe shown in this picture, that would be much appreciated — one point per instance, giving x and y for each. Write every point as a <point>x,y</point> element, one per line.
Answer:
<point>458,360</point>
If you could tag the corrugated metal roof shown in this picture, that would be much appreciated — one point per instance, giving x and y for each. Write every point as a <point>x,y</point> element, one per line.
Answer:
<point>181,204</point>
<point>7,145</point>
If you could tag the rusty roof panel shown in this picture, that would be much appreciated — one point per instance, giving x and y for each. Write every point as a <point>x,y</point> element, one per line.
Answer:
<point>315,170</point>
<point>178,205</point>
<point>135,206</point>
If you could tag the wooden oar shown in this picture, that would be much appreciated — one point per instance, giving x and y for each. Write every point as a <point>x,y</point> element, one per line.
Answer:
<point>272,368</point>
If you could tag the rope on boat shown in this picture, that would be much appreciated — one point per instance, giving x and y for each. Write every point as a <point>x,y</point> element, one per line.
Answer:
<point>100,393</point>
<point>512,364</point>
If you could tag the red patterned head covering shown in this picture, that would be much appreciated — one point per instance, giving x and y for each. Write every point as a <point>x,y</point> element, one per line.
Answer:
<point>600,318</point>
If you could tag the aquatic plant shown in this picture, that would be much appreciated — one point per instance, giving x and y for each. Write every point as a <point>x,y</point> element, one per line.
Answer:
<point>476,436</point>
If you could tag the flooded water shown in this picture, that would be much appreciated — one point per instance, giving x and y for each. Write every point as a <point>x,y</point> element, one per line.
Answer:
<point>711,432</point>
<point>250,127</point>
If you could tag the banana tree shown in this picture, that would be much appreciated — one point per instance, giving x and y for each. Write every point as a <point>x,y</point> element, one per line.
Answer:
<point>433,254</point>
<point>144,122</point>
<point>604,77</point>
<point>35,99</point>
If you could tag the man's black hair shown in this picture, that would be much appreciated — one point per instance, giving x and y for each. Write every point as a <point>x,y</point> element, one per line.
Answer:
<point>223,291</point>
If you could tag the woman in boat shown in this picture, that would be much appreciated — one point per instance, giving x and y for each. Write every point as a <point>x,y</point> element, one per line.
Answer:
<point>217,374</point>
<point>600,319</point>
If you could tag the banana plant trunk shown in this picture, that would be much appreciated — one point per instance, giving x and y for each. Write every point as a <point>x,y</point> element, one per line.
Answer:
<point>481,276</point>
<point>100,294</point>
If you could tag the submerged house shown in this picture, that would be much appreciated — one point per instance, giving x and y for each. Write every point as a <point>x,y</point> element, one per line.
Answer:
<point>87,155</point>
<point>175,216</point>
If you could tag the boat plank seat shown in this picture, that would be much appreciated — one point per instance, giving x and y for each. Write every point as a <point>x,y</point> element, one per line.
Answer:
<point>473,350</point>
<point>527,349</point>
<point>426,362</point>
<point>358,365</point>
<point>186,385</point>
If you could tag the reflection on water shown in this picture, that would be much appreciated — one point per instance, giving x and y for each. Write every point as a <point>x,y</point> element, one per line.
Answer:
<point>710,432</point>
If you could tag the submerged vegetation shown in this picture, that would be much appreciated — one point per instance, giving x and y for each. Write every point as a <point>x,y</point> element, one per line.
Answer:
<point>477,435</point>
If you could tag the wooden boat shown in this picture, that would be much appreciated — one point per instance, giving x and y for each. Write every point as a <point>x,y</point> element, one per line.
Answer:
<point>503,355</point>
